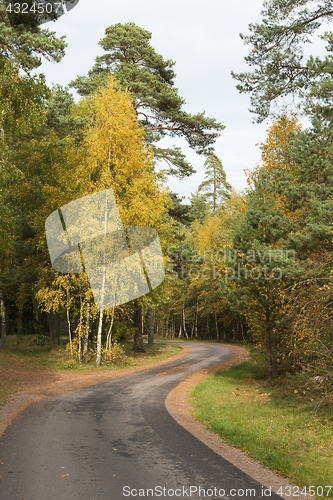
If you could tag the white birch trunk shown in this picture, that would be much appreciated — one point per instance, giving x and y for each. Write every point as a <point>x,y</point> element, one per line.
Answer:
<point>99,338</point>
<point>180,331</point>
<point>69,325</point>
<point>184,323</point>
<point>80,327</point>
<point>100,323</point>
<point>167,328</point>
<point>86,336</point>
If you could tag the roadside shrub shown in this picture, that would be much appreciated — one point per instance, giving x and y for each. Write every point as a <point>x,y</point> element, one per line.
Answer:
<point>70,365</point>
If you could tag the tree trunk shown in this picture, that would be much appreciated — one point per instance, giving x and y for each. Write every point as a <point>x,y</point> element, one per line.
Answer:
<point>79,354</point>
<point>277,349</point>
<point>196,321</point>
<point>69,325</point>
<point>167,328</point>
<point>36,315</point>
<point>56,325</point>
<point>59,327</point>
<point>99,338</point>
<point>3,319</point>
<point>224,332</point>
<point>293,366</point>
<point>80,329</point>
<point>180,330</point>
<point>19,328</point>
<point>217,330</point>
<point>268,343</point>
<point>207,334</point>
<point>109,335</point>
<point>86,336</point>
<point>138,335</point>
<point>150,321</point>
<point>51,330</point>
<point>242,328</point>
<point>100,323</point>
<point>184,322</point>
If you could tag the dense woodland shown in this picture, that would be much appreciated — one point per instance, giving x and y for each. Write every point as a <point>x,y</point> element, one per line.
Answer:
<point>254,267</point>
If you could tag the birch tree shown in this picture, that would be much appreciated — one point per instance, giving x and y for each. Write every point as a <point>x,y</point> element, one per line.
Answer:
<point>115,155</point>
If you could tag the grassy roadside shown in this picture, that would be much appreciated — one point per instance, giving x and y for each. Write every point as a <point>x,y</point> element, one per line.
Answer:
<point>28,363</point>
<point>276,424</point>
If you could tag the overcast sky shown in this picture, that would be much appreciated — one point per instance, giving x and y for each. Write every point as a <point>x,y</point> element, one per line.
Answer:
<point>202,37</point>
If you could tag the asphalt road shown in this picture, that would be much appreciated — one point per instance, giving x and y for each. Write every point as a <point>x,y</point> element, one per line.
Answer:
<point>116,440</point>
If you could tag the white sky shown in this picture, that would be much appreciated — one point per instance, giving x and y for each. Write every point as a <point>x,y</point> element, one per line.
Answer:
<point>202,37</point>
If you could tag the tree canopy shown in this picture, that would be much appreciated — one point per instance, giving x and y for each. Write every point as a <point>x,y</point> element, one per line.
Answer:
<point>254,266</point>
<point>277,56</point>
<point>24,42</point>
<point>150,80</point>
<point>215,187</point>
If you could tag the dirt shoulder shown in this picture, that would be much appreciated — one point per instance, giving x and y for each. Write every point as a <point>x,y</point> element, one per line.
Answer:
<point>35,385</point>
<point>180,409</point>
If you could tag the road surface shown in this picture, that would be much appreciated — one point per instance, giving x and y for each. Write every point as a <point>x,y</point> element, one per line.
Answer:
<point>116,440</point>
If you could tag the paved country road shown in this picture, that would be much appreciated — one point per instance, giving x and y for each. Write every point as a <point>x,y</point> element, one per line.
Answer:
<point>116,440</point>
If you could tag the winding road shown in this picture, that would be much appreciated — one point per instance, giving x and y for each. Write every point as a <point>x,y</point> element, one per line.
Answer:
<point>116,440</point>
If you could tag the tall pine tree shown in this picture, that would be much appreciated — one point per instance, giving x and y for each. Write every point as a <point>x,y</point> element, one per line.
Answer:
<point>150,81</point>
<point>215,188</point>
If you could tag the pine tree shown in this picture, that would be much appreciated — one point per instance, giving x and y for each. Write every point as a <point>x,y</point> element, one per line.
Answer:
<point>215,188</point>
<point>150,80</point>
<point>276,53</point>
<point>24,42</point>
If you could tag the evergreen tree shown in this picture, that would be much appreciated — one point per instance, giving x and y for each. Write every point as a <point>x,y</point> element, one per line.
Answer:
<point>199,208</point>
<point>288,214</point>
<point>23,42</point>
<point>179,211</point>
<point>276,53</point>
<point>306,192</point>
<point>22,45</point>
<point>150,80</point>
<point>215,188</point>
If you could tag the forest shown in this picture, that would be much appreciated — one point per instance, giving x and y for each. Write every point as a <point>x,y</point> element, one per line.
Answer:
<point>253,267</point>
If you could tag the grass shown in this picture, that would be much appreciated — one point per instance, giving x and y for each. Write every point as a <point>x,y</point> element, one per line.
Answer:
<point>276,424</point>
<point>29,362</point>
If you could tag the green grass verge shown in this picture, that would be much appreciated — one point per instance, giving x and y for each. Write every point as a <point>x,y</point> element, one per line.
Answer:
<point>276,424</point>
